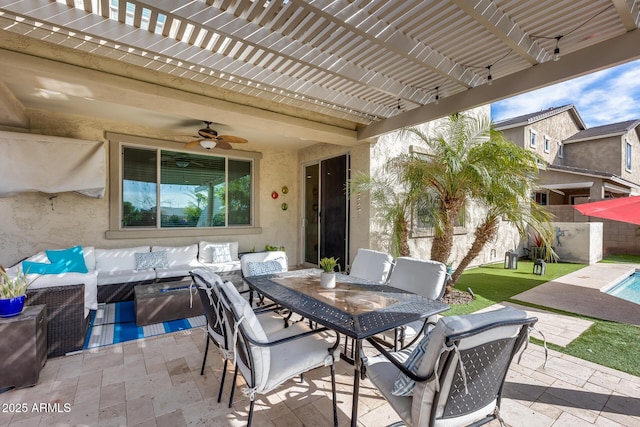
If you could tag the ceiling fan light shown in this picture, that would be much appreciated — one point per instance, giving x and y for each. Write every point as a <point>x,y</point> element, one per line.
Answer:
<point>208,144</point>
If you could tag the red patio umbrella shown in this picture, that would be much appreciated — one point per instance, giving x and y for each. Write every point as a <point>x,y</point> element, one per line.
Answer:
<point>624,209</point>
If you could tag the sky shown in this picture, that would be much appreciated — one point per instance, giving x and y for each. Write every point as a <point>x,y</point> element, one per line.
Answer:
<point>604,97</point>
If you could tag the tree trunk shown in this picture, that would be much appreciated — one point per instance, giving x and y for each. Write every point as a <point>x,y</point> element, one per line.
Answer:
<point>485,232</point>
<point>404,239</point>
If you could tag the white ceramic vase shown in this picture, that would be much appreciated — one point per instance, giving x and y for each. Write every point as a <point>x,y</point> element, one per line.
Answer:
<point>328,280</point>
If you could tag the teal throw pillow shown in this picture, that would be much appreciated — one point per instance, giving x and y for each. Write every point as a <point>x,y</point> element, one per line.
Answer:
<point>43,268</point>
<point>72,259</point>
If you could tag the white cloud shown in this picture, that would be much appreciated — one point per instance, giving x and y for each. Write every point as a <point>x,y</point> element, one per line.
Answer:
<point>607,96</point>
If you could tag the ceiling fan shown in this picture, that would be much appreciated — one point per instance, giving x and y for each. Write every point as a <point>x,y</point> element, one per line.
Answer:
<point>209,138</point>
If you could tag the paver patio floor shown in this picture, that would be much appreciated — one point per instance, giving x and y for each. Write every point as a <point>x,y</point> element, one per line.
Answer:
<point>157,382</point>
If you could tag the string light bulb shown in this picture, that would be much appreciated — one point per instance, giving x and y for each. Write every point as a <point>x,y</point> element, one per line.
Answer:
<point>556,51</point>
<point>437,95</point>
<point>489,78</point>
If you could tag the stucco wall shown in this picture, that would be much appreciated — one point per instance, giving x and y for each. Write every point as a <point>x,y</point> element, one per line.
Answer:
<point>557,128</point>
<point>32,222</point>
<point>603,154</point>
<point>618,237</point>
<point>392,145</point>
<point>579,242</point>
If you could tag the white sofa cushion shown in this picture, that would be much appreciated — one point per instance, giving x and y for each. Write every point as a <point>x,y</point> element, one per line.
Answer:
<point>179,255</point>
<point>207,250</point>
<point>112,277</point>
<point>113,260</point>
<point>278,256</point>
<point>221,268</point>
<point>177,270</point>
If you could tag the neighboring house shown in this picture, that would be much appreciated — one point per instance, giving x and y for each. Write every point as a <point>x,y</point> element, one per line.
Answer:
<point>581,165</point>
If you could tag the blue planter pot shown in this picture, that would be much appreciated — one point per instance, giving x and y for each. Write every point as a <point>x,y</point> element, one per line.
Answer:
<point>10,307</point>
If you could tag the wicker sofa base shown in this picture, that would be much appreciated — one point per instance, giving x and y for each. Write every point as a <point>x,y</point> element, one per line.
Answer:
<point>66,324</point>
<point>119,291</point>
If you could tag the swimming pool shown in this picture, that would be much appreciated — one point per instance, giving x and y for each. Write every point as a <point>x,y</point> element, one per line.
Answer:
<point>628,289</point>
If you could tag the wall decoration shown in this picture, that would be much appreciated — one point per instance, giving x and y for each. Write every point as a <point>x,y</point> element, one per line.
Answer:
<point>274,195</point>
<point>285,189</point>
<point>284,206</point>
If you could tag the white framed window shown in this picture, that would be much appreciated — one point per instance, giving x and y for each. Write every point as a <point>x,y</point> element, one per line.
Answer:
<point>628,157</point>
<point>547,144</point>
<point>532,139</point>
<point>560,149</point>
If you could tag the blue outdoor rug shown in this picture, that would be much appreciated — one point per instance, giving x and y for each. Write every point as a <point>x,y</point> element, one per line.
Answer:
<point>116,322</point>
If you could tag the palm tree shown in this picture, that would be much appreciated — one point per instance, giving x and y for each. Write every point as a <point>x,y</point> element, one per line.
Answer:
<point>464,159</point>
<point>390,202</point>
<point>467,159</point>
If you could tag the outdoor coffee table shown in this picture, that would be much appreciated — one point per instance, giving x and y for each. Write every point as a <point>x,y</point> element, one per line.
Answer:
<point>161,302</point>
<point>356,308</point>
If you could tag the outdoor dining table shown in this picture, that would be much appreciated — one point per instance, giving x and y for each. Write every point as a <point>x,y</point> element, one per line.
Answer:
<point>356,307</point>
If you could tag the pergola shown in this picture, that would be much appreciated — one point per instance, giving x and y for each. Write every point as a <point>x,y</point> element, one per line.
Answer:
<point>298,71</point>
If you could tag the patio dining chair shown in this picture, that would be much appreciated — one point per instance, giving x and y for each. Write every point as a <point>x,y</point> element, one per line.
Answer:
<point>456,374</point>
<point>259,263</point>
<point>208,285</point>
<point>423,277</point>
<point>371,265</point>
<point>267,361</point>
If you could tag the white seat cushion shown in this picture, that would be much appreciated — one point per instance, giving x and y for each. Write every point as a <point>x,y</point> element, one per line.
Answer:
<point>124,276</point>
<point>279,256</point>
<point>222,268</point>
<point>261,355</point>
<point>422,277</point>
<point>112,260</point>
<point>383,374</point>
<point>372,265</point>
<point>179,255</point>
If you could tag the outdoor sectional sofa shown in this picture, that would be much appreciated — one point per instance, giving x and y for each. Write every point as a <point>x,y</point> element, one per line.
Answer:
<point>111,275</point>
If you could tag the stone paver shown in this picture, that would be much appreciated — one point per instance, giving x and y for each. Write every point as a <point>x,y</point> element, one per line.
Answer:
<point>157,381</point>
<point>568,391</point>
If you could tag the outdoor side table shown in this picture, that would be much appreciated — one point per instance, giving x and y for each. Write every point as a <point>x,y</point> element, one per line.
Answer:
<point>23,347</point>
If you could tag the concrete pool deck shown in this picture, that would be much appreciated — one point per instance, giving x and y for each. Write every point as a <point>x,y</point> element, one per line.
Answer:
<point>580,292</point>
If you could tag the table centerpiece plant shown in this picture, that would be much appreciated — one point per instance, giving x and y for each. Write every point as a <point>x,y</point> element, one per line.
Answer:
<point>328,275</point>
<point>13,291</point>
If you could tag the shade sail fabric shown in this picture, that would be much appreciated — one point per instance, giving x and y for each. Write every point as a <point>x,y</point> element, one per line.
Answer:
<point>624,209</point>
<point>51,165</point>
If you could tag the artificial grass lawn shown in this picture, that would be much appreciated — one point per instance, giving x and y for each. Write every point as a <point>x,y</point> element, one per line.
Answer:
<point>493,283</point>
<point>611,344</point>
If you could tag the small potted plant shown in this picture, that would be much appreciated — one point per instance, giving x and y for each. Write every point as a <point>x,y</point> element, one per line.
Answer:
<point>328,275</point>
<point>13,292</point>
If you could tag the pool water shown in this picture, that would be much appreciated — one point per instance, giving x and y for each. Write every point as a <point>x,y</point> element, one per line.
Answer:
<point>628,289</point>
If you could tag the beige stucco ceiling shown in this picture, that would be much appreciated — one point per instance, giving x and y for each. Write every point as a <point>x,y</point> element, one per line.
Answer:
<point>296,72</point>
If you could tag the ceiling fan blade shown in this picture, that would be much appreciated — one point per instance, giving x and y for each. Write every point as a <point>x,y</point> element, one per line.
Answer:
<point>192,143</point>
<point>224,145</point>
<point>232,139</point>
